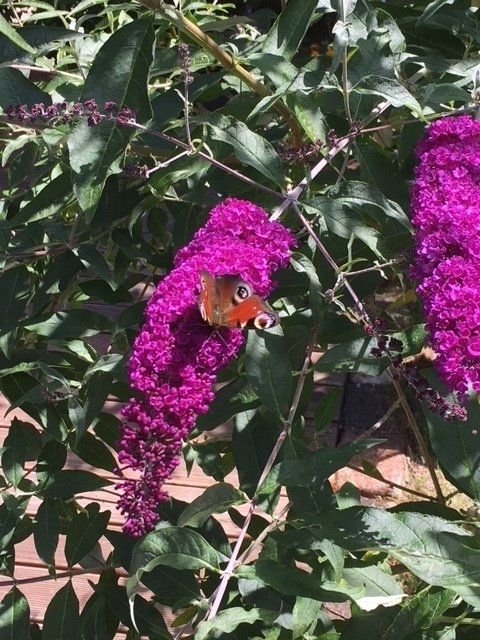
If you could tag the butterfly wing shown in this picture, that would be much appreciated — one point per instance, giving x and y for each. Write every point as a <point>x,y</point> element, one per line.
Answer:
<point>229,301</point>
<point>219,294</point>
<point>252,313</point>
<point>207,296</point>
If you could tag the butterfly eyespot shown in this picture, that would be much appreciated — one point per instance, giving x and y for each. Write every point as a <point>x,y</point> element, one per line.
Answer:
<point>242,292</point>
<point>265,320</point>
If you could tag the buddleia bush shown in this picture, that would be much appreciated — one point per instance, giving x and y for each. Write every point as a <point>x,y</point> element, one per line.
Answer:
<point>204,206</point>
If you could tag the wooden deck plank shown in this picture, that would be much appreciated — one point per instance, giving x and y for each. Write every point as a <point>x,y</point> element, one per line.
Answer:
<point>31,575</point>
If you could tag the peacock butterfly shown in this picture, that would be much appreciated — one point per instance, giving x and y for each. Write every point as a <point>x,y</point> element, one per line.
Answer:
<point>229,301</point>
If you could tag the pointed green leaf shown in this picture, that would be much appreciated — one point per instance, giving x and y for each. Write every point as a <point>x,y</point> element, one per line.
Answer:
<point>268,368</point>
<point>289,28</point>
<point>84,531</point>
<point>51,200</point>
<point>457,447</point>
<point>172,546</point>
<point>390,89</point>
<point>225,622</point>
<point>253,438</point>
<point>215,499</point>
<point>46,530</point>
<point>62,620</point>
<point>65,484</point>
<point>318,466</point>
<point>95,452</point>
<point>14,453</point>
<point>15,288</point>
<point>233,398</point>
<point>119,73</point>
<point>437,551</point>
<point>14,616</point>
<point>16,89</point>
<point>248,146</point>
<point>9,32</point>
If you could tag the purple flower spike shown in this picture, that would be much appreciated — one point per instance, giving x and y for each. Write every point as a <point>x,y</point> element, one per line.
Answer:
<point>446,218</point>
<point>176,356</point>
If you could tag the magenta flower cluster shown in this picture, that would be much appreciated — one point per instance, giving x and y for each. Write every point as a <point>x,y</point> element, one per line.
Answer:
<point>446,217</point>
<point>177,355</point>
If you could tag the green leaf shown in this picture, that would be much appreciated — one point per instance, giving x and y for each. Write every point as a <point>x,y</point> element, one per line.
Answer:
<point>225,622</point>
<point>51,459</point>
<point>431,9</point>
<point>148,618</point>
<point>119,73</point>
<point>95,452</point>
<point>290,581</point>
<point>304,616</point>
<point>66,484</point>
<point>15,288</point>
<point>310,116</point>
<point>98,620</point>
<point>106,364</point>
<point>437,551</point>
<point>9,519</point>
<point>71,324</point>
<point>327,408</point>
<point>289,28</point>
<point>390,89</point>
<point>76,415</point>
<point>97,389</point>
<point>353,356</point>
<point>217,498</point>
<point>268,368</point>
<point>9,32</point>
<point>93,260</point>
<point>235,397</point>
<point>50,201</point>
<point>14,616</point>
<point>360,195</point>
<point>303,264</point>
<point>56,279</point>
<point>344,221</point>
<point>457,447</point>
<point>16,89</point>
<point>319,466</point>
<point>46,530</point>
<point>62,620</point>
<point>172,546</point>
<point>420,612</point>
<point>253,438</point>
<point>14,453</point>
<point>381,171</point>
<point>250,148</point>
<point>84,531</point>
<point>368,586</point>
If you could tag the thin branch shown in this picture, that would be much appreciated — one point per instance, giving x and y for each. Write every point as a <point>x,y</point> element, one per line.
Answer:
<point>395,485</point>
<point>276,522</point>
<point>418,435</point>
<point>31,67</point>
<point>377,267</point>
<point>208,158</point>
<point>184,52</point>
<point>220,592</point>
<point>341,143</point>
<point>333,264</point>
<point>225,59</point>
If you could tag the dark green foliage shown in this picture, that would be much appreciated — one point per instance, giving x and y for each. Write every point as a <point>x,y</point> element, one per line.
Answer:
<point>324,101</point>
